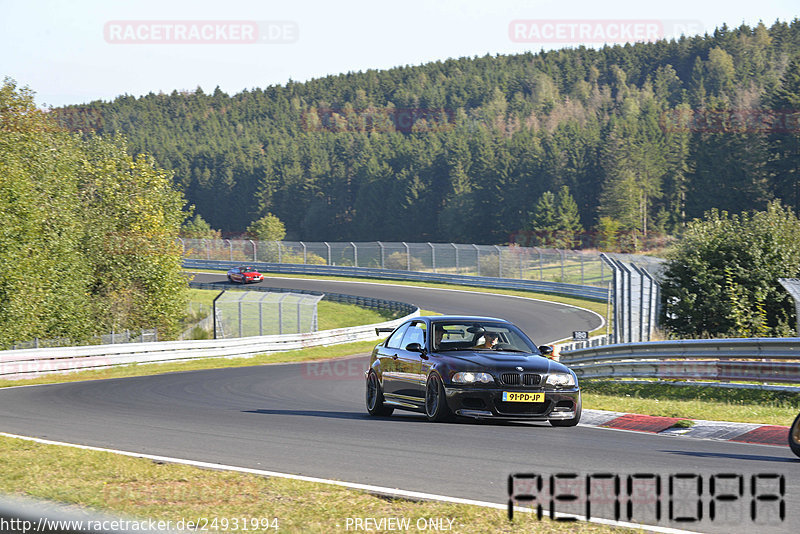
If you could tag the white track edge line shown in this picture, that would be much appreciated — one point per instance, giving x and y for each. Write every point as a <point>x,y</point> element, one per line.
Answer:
<point>351,485</point>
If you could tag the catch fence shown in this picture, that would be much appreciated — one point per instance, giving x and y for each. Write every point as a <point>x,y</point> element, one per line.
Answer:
<point>515,262</point>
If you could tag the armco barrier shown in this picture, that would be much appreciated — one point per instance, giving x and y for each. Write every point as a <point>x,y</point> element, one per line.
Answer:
<point>745,359</point>
<point>554,288</point>
<point>28,363</point>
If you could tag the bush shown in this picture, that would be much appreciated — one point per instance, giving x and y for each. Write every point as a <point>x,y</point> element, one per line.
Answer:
<point>310,258</point>
<point>490,265</point>
<point>722,277</point>
<point>399,261</point>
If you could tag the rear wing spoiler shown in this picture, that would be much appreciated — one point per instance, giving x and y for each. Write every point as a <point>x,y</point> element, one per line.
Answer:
<point>383,330</point>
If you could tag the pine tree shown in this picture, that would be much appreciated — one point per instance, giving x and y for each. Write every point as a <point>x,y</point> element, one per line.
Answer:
<point>544,219</point>
<point>784,140</point>
<point>568,221</point>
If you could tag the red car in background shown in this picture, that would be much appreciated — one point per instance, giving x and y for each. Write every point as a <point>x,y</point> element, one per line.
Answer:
<point>244,275</point>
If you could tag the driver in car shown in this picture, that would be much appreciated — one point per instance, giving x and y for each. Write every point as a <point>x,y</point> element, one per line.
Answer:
<point>489,341</point>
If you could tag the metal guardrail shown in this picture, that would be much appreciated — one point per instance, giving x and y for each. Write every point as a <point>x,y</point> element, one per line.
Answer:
<point>28,363</point>
<point>594,341</point>
<point>126,336</point>
<point>554,288</point>
<point>744,359</point>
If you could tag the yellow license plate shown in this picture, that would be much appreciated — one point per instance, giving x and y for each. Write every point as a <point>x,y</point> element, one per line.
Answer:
<point>513,396</point>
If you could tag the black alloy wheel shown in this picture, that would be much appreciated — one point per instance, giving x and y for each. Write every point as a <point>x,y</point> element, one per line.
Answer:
<point>435,402</point>
<point>375,405</point>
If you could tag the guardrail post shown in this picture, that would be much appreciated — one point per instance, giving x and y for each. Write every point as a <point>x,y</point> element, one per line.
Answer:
<point>214,313</point>
<point>261,314</point>
<point>297,328</point>
<point>582,277</point>
<point>305,253</point>
<point>477,258</point>
<point>499,261</point>
<point>255,254</point>
<point>609,318</point>
<point>433,256</point>
<point>280,313</point>
<point>408,256</point>
<point>541,269</point>
<point>208,249</point>
<point>383,259</point>
<point>328,246</point>
<point>280,252</point>
<point>458,269</point>
<point>355,254</point>
<point>230,248</point>
<point>562,254</point>
<point>240,318</point>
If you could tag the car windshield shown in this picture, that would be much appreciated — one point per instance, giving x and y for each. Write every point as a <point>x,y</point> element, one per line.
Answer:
<point>480,335</point>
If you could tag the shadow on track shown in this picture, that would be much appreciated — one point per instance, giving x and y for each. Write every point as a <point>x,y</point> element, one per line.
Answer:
<point>333,415</point>
<point>408,417</point>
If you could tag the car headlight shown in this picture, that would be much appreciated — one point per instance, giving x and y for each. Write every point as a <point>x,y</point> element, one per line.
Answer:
<point>560,379</point>
<point>469,377</point>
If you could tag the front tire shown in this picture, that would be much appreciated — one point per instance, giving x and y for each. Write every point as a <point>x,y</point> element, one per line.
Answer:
<point>436,408</point>
<point>794,436</point>
<point>570,422</point>
<point>375,405</point>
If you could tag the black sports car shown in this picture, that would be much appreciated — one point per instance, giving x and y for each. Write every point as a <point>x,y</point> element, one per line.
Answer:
<point>480,367</point>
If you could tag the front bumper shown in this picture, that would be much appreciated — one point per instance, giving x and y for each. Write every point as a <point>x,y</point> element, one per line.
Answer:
<point>487,403</point>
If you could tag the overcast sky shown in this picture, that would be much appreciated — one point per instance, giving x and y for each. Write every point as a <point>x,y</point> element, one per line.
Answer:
<point>72,52</point>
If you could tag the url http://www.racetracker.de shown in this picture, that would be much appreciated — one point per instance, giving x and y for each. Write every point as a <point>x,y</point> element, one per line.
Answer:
<point>198,524</point>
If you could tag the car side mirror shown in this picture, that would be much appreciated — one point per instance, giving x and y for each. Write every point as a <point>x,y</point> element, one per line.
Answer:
<point>546,350</point>
<point>414,347</point>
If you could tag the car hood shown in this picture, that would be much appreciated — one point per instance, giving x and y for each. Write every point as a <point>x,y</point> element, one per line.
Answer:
<point>501,361</point>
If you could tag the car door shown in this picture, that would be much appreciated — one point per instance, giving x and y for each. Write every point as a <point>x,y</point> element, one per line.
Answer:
<point>388,356</point>
<point>410,381</point>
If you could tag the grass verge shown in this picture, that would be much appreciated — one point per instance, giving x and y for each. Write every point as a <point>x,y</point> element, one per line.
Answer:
<point>693,402</point>
<point>332,315</point>
<point>141,488</point>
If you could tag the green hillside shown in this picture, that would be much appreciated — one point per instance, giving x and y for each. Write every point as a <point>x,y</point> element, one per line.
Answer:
<point>645,136</point>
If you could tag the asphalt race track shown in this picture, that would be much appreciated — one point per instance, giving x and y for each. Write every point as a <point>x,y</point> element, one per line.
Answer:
<point>310,419</point>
